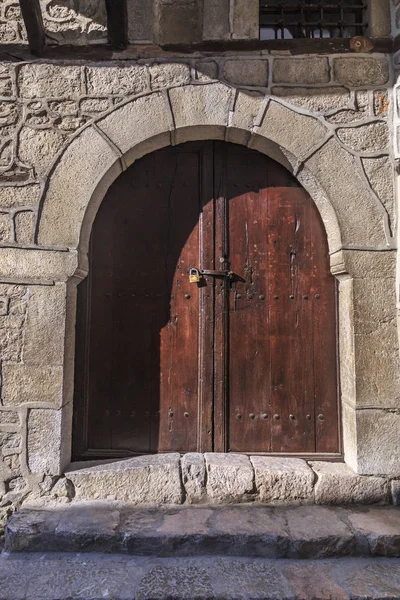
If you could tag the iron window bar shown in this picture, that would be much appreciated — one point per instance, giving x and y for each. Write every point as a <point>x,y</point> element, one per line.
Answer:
<point>289,19</point>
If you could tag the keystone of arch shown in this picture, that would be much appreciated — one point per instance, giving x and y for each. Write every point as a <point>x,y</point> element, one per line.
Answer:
<point>99,153</point>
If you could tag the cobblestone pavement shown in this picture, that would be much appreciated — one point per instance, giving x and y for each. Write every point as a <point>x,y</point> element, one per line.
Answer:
<point>98,576</point>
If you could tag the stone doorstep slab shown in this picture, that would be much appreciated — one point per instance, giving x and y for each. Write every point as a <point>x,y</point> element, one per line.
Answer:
<point>240,530</point>
<point>216,478</point>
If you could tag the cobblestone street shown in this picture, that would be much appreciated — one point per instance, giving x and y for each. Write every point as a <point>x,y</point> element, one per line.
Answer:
<point>117,577</point>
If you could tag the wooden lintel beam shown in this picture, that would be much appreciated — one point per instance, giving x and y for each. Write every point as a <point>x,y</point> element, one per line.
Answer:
<point>117,23</point>
<point>33,19</point>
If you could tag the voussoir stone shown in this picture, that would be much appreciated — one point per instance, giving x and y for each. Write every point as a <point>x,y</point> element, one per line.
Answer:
<point>230,478</point>
<point>151,480</point>
<point>201,107</point>
<point>282,479</point>
<point>86,161</point>
<point>338,484</point>
<point>143,118</point>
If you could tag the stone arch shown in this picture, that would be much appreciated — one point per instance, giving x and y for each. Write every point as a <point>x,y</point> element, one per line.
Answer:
<point>301,142</point>
<point>355,222</point>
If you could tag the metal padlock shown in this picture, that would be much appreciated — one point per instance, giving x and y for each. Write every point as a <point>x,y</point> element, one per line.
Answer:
<point>194,275</point>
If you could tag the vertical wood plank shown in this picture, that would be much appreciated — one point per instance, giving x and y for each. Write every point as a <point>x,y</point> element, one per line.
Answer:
<point>249,361</point>
<point>33,19</point>
<point>323,297</point>
<point>221,323</point>
<point>117,23</point>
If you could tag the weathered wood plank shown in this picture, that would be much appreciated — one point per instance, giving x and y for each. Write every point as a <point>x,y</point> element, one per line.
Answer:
<point>33,19</point>
<point>117,23</point>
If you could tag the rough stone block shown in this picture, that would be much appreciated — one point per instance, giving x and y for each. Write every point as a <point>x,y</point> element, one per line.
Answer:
<point>370,265</point>
<point>381,177</point>
<point>178,22</point>
<point>317,100</point>
<point>230,478</point>
<point>295,132</point>
<point>22,384</point>
<point>140,20</point>
<point>44,440</point>
<point>349,196</point>
<point>247,106</point>
<point>200,112</point>
<point>349,435</point>
<point>84,164</point>
<point>246,72</point>
<point>45,326</point>
<point>318,532</point>
<point>193,477</point>
<point>338,484</point>
<point>360,71</point>
<point>245,19</point>
<point>117,80</point>
<point>378,446</point>
<point>165,75</point>
<point>365,138</point>
<point>206,70</point>
<point>49,81</point>
<point>310,70</point>
<point>15,197</point>
<point>376,344</point>
<point>5,227</point>
<point>39,147</point>
<point>24,223</point>
<point>216,20</point>
<point>282,479</point>
<point>94,106</point>
<point>379,530</point>
<point>9,417</point>
<point>152,480</point>
<point>33,265</point>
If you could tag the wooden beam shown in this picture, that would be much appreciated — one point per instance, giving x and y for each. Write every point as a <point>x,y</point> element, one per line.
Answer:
<point>117,23</point>
<point>33,19</point>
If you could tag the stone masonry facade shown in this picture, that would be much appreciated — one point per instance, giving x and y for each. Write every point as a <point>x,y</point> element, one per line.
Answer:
<point>69,128</point>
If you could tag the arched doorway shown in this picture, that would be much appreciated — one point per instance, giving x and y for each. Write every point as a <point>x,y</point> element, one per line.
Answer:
<point>245,360</point>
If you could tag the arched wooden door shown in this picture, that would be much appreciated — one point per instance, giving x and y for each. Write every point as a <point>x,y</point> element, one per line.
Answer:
<point>244,360</point>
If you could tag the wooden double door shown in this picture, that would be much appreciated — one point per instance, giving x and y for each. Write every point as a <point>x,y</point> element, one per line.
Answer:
<point>242,361</point>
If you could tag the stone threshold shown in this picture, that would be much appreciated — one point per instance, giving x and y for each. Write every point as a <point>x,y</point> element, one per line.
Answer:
<point>309,532</point>
<point>214,478</point>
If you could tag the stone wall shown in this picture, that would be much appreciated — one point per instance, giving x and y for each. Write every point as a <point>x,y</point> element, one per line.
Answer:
<point>68,130</point>
<point>81,22</point>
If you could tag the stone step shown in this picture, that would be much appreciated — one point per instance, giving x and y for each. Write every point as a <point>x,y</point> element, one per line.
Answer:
<point>99,576</point>
<point>241,530</point>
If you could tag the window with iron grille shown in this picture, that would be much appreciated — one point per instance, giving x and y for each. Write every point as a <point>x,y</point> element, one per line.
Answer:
<point>289,19</point>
